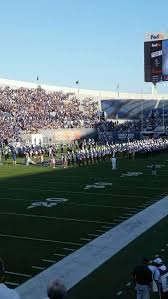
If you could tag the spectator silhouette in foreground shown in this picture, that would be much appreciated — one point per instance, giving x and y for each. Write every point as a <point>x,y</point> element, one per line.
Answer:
<point>143,279</point>
<point>5,292</point>
<point>161,278</point>
<point>56,290</point>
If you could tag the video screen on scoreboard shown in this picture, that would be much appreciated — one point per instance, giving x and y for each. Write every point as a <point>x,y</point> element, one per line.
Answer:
<point>165,57</point>
<point>156,61</point>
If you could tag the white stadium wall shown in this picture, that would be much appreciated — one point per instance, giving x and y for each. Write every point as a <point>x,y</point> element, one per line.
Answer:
<point>50,136</point>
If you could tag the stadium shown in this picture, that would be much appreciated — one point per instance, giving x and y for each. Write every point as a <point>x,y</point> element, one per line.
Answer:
<point>83,150</point>
<point>128,115</point>
<point>65,211</point>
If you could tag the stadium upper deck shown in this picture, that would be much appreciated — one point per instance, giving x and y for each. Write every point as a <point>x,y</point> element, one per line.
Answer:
<point>82,93</point>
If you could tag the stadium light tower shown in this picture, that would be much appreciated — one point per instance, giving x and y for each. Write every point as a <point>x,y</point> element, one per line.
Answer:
<point>141,115</point>
<point>77,85</point>
<point>118,90</point>
<point>37,80</point>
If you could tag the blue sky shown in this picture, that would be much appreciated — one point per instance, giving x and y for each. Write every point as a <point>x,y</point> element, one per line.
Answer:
<point>99,43</point>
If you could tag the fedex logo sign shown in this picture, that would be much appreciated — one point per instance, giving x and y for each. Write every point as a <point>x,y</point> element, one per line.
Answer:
<point>154,45</point>
<point>157,36</point>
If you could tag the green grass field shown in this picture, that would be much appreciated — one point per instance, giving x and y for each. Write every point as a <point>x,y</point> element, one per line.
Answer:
<point>33,239</point>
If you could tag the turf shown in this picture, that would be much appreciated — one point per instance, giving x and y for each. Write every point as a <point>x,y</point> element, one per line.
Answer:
<point>114,278</point>
<point>29,237</point>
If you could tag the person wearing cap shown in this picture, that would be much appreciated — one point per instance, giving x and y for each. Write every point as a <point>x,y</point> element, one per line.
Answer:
<point>56,290</point>
<point>143,279</point>
<point>154,271</point>
<point>5,292</point>
<point>161,278</point>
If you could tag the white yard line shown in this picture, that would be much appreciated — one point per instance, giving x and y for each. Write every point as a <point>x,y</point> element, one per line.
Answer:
<point>119,293</point>
<point>49,261</point>
<point>149,188</point>
<point>53,217</point>
<point>84,261</point>
<point>18,274</point>
<point>117,220</point>
<point>93,235</point>
<point>128,284</point>
<point>38,268</point>
<point>129,214</point>
<point>153,201</point>
<point>108,227</point>
<point>59,254</point>
<point>99,206</point>
<point>75,204</point>
<point>85,239</point>
<point>69,249</point>
<point>7,198</point>
<point>111,194</point>
<point>12,283</point>
<point>77,192</point>
<point>38,239</point>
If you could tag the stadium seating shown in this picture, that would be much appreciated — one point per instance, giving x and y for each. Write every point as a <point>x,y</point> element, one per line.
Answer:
<point>28,110</point>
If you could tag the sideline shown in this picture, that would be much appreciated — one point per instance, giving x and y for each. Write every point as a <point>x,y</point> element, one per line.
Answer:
<point>84,261</point>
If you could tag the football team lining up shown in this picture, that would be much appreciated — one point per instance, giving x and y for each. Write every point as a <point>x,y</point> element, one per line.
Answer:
<point>96,211</point>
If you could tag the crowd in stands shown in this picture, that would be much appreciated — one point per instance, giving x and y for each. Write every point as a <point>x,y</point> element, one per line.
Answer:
<point>106,129</point>
<point>131,126</point>
<point>28,110</point>
<point>126,126</point>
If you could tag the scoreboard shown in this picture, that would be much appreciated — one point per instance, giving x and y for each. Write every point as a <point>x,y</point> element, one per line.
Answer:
<point>156,58</point>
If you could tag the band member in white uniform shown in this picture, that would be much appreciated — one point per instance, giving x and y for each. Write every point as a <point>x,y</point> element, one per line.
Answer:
<point>113,161</point>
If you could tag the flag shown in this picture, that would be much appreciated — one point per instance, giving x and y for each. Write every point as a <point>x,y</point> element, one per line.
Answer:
<point>37,78</point>
<point>77,82</point>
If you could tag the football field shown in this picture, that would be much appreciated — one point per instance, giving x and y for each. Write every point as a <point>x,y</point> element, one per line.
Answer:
<point>47,214</point>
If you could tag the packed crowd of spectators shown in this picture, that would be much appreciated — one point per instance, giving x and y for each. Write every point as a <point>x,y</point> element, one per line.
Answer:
<point>107,129</point>
<point>28,110</point>
<point>126,126</point>
<point>132,126</point>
